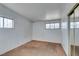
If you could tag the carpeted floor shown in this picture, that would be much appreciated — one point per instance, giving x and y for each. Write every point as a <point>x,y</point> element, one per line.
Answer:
<point>37,48</point>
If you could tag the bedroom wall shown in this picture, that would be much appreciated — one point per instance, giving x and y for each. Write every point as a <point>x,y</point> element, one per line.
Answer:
<point>43,34</point>
<point>20,34</point>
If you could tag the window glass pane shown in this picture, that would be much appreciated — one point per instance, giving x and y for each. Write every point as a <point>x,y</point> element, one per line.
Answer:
<point>47,26</point>
<point>52,26</point>
<point>56,25</point>
<point>8,23</point>
<point>1,22</point>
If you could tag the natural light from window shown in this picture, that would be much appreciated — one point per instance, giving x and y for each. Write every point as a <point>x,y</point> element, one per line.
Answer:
<point>1,22</point>
<point>52,26</point>
<point>6,23</point>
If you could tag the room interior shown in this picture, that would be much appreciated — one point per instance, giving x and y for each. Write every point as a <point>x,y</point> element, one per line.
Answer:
<point>39,29</point>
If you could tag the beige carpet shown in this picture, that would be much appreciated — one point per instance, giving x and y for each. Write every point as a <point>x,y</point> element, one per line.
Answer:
<point>37,48</point>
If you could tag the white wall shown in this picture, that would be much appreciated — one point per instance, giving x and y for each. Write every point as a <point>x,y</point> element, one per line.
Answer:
<point>40,32</point>
<point>20,34</point>
<point>64,12</point>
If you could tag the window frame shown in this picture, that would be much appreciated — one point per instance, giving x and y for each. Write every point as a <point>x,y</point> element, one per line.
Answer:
<point>1,22</point>
<point>53,27</point>
<point>7,27</point>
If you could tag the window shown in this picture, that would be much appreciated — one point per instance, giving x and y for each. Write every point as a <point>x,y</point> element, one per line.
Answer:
<point>52,26</point>
<point>1,22</point>
<point>56,25</point>
<point>48,26</point>
<point>64,25</point>
<point>6,23</point>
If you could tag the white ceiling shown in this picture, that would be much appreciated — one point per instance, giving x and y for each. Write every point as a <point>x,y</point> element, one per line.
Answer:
<point>37,11</point>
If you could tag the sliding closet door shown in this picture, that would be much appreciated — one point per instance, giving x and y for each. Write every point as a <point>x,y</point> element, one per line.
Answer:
<point>76,11</point>
<point>74,31</point>
<point>72,34</point>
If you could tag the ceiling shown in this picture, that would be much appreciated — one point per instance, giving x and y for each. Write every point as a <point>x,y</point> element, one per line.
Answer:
<point>37,11</point>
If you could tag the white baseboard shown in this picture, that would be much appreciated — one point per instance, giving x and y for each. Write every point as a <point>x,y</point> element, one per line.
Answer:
<point>47,41</point>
